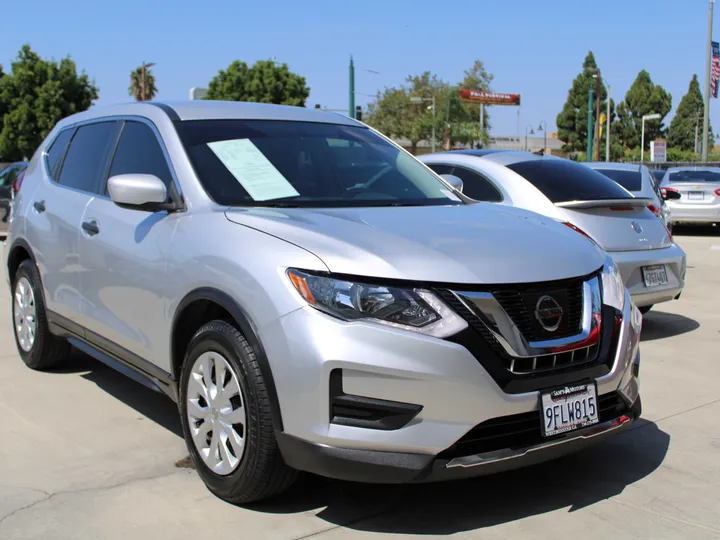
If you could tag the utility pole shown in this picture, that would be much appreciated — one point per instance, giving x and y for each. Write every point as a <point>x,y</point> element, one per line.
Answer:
<point>351,106</point>
<point>607,126</point>
<point>706,117</point>
<point>482,119</point>
<point>590,125</point>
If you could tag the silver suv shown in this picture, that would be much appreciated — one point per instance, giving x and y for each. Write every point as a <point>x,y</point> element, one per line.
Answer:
<point>314,298</point>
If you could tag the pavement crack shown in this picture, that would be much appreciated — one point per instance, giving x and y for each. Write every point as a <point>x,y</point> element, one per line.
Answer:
<point>83,490</point>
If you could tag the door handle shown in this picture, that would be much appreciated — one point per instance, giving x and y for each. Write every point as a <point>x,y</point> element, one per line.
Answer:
<point>39,206</point>
<point>91,227</point>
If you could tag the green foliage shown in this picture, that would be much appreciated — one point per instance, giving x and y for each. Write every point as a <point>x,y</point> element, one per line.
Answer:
<point>264,82</point>
<point>136,83</point>
<point>394,113</point>
<point>681,155</point>
<point>644,97</point>
<point>36,95</point>
<point>688,121</point>
<point>572,120</point>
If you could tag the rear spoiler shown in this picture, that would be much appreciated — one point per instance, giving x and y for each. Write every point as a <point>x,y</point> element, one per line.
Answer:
<point>636,202</point>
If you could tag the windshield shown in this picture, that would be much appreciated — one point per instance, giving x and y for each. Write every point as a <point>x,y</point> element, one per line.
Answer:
<point>630,180</point>
<point>303,164</point>
<point>562,180</point>
<point>694,176</point>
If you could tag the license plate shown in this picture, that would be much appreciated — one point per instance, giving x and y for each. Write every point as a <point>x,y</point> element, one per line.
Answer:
<point>655,275</point>
<point>569,408</point>
<point>695,195</point>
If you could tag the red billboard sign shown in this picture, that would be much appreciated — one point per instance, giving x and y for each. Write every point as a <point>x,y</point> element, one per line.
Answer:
<point>489,98</point>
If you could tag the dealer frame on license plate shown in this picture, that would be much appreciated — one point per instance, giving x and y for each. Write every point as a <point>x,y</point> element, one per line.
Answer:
<point>655,275</point>
<point>568,408</point>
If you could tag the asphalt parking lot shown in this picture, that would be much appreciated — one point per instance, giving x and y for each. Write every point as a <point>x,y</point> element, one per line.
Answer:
<point>88,453</point>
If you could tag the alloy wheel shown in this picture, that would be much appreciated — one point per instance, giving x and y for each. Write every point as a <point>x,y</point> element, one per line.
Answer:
<point>216,416</point>
<point>25,314</point>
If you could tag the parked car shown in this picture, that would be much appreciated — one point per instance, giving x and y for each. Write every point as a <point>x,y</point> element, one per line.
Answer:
<point>695,192</point>
<point>639,181</point>
<point>8,177</point>
<point>652,265</point>
<point>315,298</point>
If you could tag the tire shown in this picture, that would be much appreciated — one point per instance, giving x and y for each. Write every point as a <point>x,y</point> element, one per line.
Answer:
<point>259,472</point>
<point>44,350</point>
<point>645,309</point>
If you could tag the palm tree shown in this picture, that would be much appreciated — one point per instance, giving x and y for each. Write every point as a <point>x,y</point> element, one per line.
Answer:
<point>136,83</point>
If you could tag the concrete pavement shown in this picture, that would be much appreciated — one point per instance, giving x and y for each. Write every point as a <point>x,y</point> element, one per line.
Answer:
<point>87,453</point>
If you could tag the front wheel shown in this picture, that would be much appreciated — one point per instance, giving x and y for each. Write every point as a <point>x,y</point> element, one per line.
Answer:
<point>227,420</point>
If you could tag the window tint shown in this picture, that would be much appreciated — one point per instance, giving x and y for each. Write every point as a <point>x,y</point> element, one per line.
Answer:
<point>630,180</point>
<point>694,176</point>
<point>305,164</point>
<point>476,186</point>
<point>563,180</point>
<point>139,152</point>
<point>440,169</point>
<point>57,151</point>
<point>658,175</point>
<point>85,164</point>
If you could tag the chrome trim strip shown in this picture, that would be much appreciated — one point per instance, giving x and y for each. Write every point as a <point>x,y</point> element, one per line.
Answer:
<point>505,454</point>
<point>486,307</point>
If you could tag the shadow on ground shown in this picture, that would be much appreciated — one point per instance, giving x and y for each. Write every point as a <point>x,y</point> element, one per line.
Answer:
<point>695,230</point>
<point>659,325</point>
<point>153,405</point>
<point>572,482</point>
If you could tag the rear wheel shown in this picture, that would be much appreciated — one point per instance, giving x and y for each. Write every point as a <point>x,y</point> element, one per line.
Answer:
<point>38,348</point>
<point>645,309</point>
<point>227,419</point>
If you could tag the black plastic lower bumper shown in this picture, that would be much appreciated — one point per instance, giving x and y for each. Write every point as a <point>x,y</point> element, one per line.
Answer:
<point>371,466</point>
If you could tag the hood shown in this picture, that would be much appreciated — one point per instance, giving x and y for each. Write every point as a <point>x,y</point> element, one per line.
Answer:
<point>480,244</point>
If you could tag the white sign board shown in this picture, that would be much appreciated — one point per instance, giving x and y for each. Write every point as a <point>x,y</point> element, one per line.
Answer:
<point>658,151</point>
<point>198,93</point>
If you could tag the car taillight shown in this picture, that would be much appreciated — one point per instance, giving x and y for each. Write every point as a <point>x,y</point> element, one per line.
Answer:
<point>577,229</point>
<point>717,192</point>
<point>654,209</point>
<point>664,191</point>
<point>17,184</point>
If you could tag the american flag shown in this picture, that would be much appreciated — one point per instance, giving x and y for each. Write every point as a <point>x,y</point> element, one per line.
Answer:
<point>715,69</point>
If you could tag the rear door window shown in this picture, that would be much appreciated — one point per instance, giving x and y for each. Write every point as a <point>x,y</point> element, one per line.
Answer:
<point>563,180</point>
<point>139,152</point>
<point>86,161</point>
<point>630,180</point>
<point>57,151</point>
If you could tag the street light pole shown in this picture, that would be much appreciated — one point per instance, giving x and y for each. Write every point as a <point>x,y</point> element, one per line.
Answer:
<point>588,157</point>
<point>607,125</point>
<point>642,133</point>
<point>542,126</point>
<point>529,126</point>
<point>706,117</point>
<point>351,104</point>
<point>596,133</point>
<point>433,124</point>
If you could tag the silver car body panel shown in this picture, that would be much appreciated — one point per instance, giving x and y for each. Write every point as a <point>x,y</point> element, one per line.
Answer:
<point>633,236</point>
<point>126,284</point>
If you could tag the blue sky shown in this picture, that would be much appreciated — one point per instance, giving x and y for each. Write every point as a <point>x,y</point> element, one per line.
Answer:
<point>532,47</point>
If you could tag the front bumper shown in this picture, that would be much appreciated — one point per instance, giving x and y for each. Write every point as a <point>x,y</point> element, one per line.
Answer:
<point>452,390</point>
<point>630,264</point>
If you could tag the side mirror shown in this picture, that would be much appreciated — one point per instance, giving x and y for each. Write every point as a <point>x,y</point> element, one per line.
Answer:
<point>139,191</point>
<point>670,194</point>
<point>453,180</point>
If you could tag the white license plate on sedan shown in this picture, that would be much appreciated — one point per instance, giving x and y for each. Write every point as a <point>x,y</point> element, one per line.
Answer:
<point>655,275</point>
<point>569,408</point>
<point>695,195</point>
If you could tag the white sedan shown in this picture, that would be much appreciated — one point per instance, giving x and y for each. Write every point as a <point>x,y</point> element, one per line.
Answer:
<point>651,263</point>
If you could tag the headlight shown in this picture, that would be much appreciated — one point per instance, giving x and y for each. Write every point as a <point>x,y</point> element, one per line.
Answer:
<point>417,310</point>
<point>613,286</point>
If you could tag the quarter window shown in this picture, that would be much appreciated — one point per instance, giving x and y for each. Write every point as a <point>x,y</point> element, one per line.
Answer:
<point>57,151</point>
<point>139,152</point>
<point>86,162</point>
<point>476,186</point>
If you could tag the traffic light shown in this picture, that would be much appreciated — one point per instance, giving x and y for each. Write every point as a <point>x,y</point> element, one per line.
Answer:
<point>358,113</point>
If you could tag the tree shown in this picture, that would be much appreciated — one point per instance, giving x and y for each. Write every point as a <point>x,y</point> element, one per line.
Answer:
<point>136,84</point>
<point>572,121</point>
<point>644,97</point>
<point>687,124</point>
<point>37,94</point>
<point>467,118</point>
<point>264,82</point>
